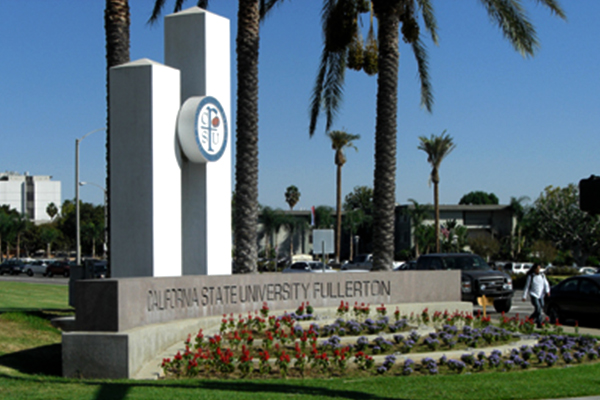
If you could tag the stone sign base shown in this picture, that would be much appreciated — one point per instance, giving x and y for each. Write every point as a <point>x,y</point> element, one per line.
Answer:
<point>123,324</point>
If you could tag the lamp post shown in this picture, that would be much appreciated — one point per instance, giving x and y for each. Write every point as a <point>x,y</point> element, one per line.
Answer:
<point>77,222</point>
<point>105,212</point>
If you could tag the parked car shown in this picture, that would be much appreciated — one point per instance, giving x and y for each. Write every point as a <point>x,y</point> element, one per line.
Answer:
<point>364,262</point>
<point>36,267</point>
<point>308,267</point>
<point>588,270</point>
<point>96,269</point>
<point>14,266</point>
<point>407,266</point>
<point>477,278</point>
<point>521,268</point>
<point>576,298</point>
<point>58,268</point>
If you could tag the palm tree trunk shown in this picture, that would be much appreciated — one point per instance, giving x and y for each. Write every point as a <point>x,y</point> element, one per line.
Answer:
<point>436,202</point>
<point>246,167</point>
<point>116,26</point>
<point>338,229</point>
<point>384,186</point>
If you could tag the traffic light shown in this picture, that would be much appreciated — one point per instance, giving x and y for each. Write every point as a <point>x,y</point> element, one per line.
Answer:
<point>589,194</point>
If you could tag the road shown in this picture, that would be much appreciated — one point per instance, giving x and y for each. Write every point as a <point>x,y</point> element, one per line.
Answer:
<point>524,309</point>
<point>55,280</point>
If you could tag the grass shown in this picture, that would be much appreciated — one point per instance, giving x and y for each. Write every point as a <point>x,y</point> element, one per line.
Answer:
<point>30,369</point>
<point>19,296</point>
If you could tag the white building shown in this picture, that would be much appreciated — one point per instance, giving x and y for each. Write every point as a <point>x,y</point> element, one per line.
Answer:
<point>29,194</point>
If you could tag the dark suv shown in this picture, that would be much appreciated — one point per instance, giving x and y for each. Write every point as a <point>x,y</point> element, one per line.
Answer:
<point>477,278</point>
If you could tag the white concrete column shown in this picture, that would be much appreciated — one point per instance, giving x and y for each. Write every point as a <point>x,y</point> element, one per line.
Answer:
<point>145,189</point>
<point>197,43</point>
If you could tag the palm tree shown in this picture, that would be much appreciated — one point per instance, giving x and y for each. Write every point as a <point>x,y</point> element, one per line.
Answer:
<point>292,196</point>
<point>352,221</point>
<point>418,213</point>
<point>323,217</point>
<point>116,26</point>
<point>392,15</point>
<point>516,204</point>
<point>271,221</point>
<point>340,140</point>
<point>437,148</point>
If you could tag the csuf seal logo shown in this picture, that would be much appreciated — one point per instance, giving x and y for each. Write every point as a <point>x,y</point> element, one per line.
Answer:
<point>211,128</point>
<point>202,129</point>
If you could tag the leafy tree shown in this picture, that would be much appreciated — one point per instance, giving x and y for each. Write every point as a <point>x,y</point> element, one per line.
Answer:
<point>7,216</point>
<point>544,251</point>
<point>558,218</point>
<point>20,224</point>
<point>339,29</point>
<point>292,196</point>
<point>361,198</point>
<point>49,234</point>
<point>479,198</point>
<point>454,237</point>
<point>418,213</point>
<point>340,140</point>
<point>436,148</point>
<point>484,245</point>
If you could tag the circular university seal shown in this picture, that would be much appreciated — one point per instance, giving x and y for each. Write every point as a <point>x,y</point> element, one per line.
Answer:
<point>202,129</point>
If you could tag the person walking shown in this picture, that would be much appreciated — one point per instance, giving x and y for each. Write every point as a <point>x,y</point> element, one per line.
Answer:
<point>537,287</point>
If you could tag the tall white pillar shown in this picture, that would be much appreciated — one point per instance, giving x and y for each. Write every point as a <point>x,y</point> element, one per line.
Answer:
<point>197,43</point>
<point>145,189</point>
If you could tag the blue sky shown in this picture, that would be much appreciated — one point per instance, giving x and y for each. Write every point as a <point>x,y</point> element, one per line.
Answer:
<point>519,124</point>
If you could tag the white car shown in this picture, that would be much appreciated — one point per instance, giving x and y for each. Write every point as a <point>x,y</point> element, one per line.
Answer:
<point>308,267</point>
<point>521,268</point>
<point>36,267</point>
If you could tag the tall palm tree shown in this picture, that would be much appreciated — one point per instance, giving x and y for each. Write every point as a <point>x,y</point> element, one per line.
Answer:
<point>116,26</point>
<point>340,140</point>
<point>437,148</point>
<point>292,196</point>
<point>250,13</point>
<point>509,15</point>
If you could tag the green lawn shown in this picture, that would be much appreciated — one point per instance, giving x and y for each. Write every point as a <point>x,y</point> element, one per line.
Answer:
<point>30,369</point>
<point>18,296</point>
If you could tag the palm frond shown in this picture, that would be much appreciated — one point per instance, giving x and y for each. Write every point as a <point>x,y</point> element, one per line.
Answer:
<point>554,7</point>
<point>514,23</point>
<point>160,4</point>
<point>156,11</point>
<point>429,19</point>
<point>265,7</point>
<point>317,94</point>
<point>333,89</point>
<point>420,52</point>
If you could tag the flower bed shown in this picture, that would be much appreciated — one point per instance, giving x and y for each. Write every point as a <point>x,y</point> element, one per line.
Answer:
<point>294,345</point>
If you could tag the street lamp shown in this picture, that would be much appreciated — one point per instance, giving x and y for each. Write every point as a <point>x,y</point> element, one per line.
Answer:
<point>105,212</point>
<point>77,222</point>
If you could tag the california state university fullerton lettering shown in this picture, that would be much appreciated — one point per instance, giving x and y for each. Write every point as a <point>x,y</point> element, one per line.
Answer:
<point>182,297</point>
